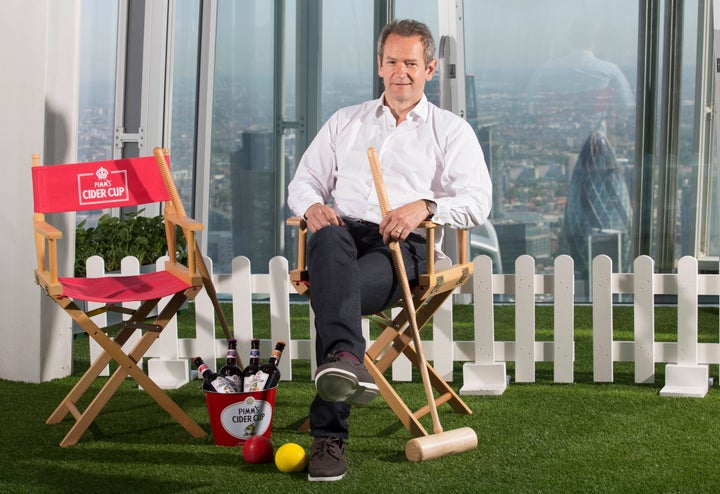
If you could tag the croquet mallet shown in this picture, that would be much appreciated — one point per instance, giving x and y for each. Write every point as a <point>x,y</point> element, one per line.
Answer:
<point>439,443</point>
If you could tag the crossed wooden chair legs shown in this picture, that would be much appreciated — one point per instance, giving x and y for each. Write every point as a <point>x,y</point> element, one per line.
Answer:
<point>395,339</point>
<point>127,366</point>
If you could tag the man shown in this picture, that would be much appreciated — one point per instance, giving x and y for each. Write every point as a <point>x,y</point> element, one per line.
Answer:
<point>433,167</point>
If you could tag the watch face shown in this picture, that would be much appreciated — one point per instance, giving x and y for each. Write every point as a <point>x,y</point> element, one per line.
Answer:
<point>432,207</point>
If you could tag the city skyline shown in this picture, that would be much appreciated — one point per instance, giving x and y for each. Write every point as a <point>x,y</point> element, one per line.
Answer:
<point>533,151</point>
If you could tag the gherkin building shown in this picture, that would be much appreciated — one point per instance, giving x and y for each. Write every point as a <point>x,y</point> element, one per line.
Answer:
<point>598,203</point>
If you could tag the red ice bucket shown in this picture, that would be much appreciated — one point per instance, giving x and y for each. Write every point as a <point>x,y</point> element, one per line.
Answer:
<point>235,417</point>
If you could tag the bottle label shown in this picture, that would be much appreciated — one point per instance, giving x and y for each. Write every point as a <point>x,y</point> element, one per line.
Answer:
<point>235,381</point>
<point>256,382</point>
<point>222,385</point>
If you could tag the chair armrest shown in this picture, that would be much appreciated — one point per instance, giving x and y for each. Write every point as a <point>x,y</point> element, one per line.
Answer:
<point>188,226</point>
<point>296,221</point>
<point>428,225</point>
<point>435,282</point>
<point>301,225</point>
<point>184,222</point>
<point>46,234</point>
<point>462,236</point>
<point>47,230</point>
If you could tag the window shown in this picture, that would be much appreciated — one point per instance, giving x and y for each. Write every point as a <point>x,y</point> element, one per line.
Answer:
<point>185,58</point>
<point>97,87</point>
<point>97,80</point>
<point>347,56</point>
<point>241,218</point>
<point>550,90</point>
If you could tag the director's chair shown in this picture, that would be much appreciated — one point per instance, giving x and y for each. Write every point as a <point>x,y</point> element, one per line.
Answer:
<point>434,288</point>
<point>112,184</point>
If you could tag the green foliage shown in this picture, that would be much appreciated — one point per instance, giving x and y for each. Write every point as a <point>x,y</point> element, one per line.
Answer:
<point>114,238</point>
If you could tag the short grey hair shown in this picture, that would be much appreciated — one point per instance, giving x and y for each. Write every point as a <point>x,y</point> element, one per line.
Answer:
<point>408,28</point>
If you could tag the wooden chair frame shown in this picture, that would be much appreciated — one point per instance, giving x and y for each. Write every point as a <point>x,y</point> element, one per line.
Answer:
<point>395,338</point>
<point>190,282</point>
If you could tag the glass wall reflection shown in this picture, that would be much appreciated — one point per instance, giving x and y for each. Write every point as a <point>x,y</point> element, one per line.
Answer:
<point>551,91</point>
<point>97,80</point>
<point>348,65</point>
<point>186,40</point>
<point>242,174</point>
<point>96,92</point>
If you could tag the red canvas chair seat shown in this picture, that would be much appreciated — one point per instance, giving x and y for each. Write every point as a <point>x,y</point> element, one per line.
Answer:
<point>116,289</point>
<point>114,184</point>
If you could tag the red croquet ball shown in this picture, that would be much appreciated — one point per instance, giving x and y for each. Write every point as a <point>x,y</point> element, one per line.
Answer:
<point>258,449</point>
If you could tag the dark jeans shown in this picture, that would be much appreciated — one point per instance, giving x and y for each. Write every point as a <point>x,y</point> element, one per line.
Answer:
<point>351,274</point>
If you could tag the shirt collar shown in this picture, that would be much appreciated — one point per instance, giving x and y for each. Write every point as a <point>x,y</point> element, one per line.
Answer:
<point>420,112</point>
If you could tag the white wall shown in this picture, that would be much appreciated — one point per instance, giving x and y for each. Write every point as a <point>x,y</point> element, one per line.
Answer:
<point>38,87</point>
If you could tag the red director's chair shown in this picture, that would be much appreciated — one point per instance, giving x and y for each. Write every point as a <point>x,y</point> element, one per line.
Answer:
<point>113,184</point>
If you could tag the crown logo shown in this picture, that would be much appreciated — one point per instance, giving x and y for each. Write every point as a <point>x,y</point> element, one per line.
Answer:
<point>102,173</point>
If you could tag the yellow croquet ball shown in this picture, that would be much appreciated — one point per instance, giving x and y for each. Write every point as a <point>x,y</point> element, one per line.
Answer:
<point>291,457</point>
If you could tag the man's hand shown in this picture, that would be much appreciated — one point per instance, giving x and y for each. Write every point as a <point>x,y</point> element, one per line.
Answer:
<point>319,216</point>
<point>400,222</point>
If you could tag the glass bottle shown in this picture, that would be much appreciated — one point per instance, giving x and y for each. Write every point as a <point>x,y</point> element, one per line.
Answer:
<point>268,375</point>
<point>231,371</point>
<point>212,381</point>
<point>252,367</point>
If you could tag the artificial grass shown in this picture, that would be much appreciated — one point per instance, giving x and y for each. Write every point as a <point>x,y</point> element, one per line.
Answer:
<point>539,437</point>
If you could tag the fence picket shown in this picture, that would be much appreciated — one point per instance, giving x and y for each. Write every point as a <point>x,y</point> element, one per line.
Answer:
<point>644,320</point>
<point>280,310</point>
<point>687,311</point>
<point>602,303</point>
<point>563,292</point>
<point>485,356</point>
<point>242,293</point>
<point>484,314</point>
<point>525,319</point>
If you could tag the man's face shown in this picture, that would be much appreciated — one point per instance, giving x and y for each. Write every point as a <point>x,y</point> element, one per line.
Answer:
<point>403,70</point>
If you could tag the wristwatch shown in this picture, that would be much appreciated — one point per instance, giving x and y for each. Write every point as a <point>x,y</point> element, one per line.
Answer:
<point>431,207</point>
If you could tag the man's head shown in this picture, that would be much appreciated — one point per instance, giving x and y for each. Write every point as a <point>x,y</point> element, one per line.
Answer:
<point>405,62</point>
<point>408,28</point>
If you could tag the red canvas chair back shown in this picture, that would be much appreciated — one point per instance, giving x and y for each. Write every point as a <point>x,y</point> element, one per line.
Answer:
<point>98,185</point>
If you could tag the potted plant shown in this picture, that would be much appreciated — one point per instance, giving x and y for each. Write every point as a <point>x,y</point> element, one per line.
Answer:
<point>131,235</point>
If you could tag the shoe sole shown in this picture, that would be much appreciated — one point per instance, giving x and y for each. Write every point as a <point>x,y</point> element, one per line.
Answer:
<point>339,385</point>
<point>325,479</point>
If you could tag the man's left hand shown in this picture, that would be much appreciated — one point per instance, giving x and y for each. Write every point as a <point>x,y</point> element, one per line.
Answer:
<point>400,222</point>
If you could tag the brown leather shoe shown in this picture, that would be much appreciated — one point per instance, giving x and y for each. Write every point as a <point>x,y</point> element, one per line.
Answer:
<point>327,459</point>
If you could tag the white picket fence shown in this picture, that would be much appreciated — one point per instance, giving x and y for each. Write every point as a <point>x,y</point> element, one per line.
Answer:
<point>484,371</point>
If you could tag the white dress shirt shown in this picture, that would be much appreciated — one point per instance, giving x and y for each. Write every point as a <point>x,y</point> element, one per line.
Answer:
<point>433,154</point>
